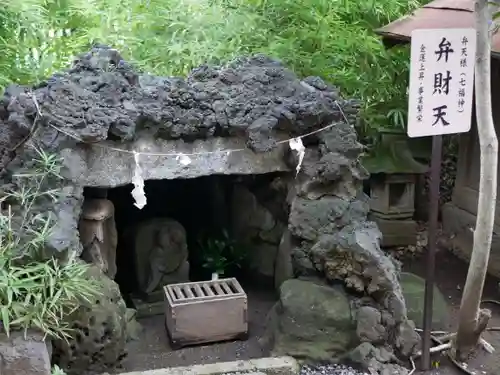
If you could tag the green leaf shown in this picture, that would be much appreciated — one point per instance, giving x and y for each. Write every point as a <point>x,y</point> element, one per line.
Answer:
<point>5,319</point>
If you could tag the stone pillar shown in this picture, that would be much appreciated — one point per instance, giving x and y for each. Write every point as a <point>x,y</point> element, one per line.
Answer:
<point>20,355</point>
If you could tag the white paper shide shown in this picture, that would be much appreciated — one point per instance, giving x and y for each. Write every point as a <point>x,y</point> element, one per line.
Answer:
<point>183,159</point>
<point>297,146</point>
<point>138,181</point>
<point>441,81</point>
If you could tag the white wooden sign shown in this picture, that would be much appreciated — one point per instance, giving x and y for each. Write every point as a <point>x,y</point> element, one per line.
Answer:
<point>441,81</point>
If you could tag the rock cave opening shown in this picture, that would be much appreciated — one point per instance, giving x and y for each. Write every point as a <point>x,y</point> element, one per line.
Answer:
<point>305,238</point>
<point>189,228</point>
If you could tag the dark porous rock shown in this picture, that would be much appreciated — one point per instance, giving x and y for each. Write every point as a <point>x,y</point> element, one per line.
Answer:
<point>394,369</point>
<point>406,338</point>
<point>100,332</point>
<point>369,356</point>
<point>370,328</point>
<point>331,237</point>
<point>102,96</point>
<point>64,234</point>
<point>311,218</point>
<point>254,105</point>
<point>301,263</point>
<point>376,360</point>
<point>311,321</point>
<point>353,255</point>
<point>22,354</point>
<point>342,138</point>
<point>252,101</point>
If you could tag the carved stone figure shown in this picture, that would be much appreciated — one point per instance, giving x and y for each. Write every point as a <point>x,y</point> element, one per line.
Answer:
<point>161,254</point>
<point>98,234</point>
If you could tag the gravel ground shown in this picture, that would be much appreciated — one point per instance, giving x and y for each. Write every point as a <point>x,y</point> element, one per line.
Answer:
<point>313,370</point>
<point>330,370</point>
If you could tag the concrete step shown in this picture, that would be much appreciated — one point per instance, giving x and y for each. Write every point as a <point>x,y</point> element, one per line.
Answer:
<point>259,366</point>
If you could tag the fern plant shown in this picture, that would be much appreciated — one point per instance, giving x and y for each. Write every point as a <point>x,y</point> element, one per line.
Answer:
<point>36,290</point>
<point>222,252</point>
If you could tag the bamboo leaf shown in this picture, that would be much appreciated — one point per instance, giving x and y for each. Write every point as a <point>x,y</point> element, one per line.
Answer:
<point>5,319</point>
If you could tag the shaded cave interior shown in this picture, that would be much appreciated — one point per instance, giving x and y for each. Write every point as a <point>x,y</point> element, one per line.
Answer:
<point>240,218</point>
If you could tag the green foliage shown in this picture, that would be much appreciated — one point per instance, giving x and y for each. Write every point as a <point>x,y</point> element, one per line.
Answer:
<point>333,39</point>
<point>36,291</point>
<point>220,253</point>
<point>336,41</point>
<point>56,370</point>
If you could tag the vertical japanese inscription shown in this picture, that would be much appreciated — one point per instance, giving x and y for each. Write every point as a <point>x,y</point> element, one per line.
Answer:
<point>421,77</point>
<point>442,81</point>
<point>463,75</point>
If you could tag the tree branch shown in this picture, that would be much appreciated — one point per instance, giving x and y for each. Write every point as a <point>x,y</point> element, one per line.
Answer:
<point>472,322</point>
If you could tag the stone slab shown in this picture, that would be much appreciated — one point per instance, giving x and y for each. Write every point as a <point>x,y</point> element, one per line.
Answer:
<point>267,366</point>
<point>105,167</point>
<point>460,224</point>
<point>145,309</point>
<point>155,305</point>
<point>397,232</point>
<point>21,355</point>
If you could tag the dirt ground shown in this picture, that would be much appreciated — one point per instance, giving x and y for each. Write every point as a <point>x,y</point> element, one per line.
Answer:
<point>152,350</point>
<point>450,278</point>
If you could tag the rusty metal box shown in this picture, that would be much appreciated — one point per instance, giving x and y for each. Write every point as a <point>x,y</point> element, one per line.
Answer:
<point>206,311</point>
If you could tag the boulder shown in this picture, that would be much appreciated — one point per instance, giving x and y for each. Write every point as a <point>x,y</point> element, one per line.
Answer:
<point>311,321</point>
<point>369,325</point>
<point>100,332</point>
<point>134,328</point>
<point>353,255</point>
<point>24,355</point>
<point>413,291</point>
<point>406,339</point>
<point>377,360</point>
<point>369,357</point>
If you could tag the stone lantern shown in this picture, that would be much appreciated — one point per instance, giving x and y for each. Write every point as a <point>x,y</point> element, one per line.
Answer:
<point>392,196</point>
<point>394,174</point>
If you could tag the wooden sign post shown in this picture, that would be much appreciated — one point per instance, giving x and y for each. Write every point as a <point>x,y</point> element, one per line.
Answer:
<point>440,102</point>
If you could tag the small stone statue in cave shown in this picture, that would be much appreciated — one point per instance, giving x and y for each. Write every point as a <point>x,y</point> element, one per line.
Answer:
<point>98,234</point>
<point>161,254</point>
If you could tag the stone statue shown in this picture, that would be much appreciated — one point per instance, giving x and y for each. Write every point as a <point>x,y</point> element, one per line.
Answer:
<point>98,234</point>
<point>161,254</point>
